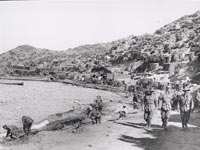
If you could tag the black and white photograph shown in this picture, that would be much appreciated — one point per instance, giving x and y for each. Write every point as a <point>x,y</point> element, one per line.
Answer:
<point>99,74</point>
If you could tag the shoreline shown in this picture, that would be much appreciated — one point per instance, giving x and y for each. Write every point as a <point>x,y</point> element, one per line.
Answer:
<point>64,117</point>
<point>63,121</point>
<point>25,78</point>
<point>126,133</point>
<point>67,81</point>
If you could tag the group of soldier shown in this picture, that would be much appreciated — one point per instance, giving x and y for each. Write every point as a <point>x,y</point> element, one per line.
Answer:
<point>164,103</point>
<point>95,110</point>
<point>150,102</point>
<point>12,130</point>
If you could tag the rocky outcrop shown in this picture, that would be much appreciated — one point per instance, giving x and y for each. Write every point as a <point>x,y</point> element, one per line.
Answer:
<point>179,40</point>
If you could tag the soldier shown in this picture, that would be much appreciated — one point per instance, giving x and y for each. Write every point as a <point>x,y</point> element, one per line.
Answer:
<point>180,85</point>
<point>89,109</point>
<point>99,103</point>
<point>77,126</point>
<point>11,131</point>
<point>186,105</point>
<point>95,115</point>
<point>141,99</point>
<point>123,112</point>
<point>27,123</point>
<point>135,101</point>
<point>150,104</point>
<point>197,102</point>
<point>175,99</point>
<point>99,99</point>
<point>165,105</point>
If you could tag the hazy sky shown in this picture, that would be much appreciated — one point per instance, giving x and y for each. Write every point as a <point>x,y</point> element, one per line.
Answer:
<point>64,24</point>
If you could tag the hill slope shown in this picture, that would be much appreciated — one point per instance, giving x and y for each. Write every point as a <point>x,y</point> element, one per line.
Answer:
<point>177,39</point>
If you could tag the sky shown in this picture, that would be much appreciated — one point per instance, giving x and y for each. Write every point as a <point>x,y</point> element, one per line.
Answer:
<point>63,24</point>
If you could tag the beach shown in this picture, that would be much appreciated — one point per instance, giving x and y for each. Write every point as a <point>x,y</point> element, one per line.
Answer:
<point>42,99</point>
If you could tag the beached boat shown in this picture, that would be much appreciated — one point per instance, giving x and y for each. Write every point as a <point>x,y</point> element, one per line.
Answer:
<point>12,83</point>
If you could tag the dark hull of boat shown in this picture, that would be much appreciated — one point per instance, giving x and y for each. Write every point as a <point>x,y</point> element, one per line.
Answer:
<point>20,83</point>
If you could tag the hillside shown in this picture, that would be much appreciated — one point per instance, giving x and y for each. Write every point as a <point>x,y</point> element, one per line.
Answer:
<point>180,40</point>
<point>27,55</point>
<point>181,36</point>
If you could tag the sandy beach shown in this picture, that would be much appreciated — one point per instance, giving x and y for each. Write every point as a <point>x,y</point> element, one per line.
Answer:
<point>128,133</point>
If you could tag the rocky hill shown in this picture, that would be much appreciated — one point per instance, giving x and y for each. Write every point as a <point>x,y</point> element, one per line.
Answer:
<point>179,40</point>
<point>179,36</point>
<point>69,60</point>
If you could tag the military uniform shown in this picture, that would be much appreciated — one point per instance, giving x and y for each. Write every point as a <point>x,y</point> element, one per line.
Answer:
<point>186,104</point>
<point>89,109</point>
<point>12,130</point>
<point>99,103</point>
<point>175,100</point>
<point>95,115</point>
<point>164,101</point>
<point>27,123</point>
<point>135,101</point>
<point>123,112</point>
<point>150,104</point>
<point>197,102</point>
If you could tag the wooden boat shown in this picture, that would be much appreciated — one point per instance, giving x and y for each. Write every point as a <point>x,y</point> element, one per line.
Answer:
<point>15,83</point>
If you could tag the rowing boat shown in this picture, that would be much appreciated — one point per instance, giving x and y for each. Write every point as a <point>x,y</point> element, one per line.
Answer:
<point>15,83</point>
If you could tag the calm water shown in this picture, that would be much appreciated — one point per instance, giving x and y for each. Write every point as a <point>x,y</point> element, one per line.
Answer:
<point>40,99</point>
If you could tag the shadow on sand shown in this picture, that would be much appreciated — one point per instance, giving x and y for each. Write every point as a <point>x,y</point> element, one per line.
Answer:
<point>194,118</point>
<point>137,125</point>
<point>147,143</point>
<point>155,138</point>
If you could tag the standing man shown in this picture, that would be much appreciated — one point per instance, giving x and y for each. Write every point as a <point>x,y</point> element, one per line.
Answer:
<point>95,115</point>
<point>150,104</point>
<point>186,105</point>
<point>197,101</point>
<point>135,101</point>
<point>27,123</point>
<point>176,98</point>
<point>99,103</point>
<point>165,105</point>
